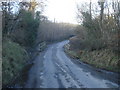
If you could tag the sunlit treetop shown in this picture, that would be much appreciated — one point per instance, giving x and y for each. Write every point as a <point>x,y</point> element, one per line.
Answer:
<point>33,4</point>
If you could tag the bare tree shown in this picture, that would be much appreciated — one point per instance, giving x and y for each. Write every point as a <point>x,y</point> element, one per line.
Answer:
<point>116,8</point>
<point>101,3</point>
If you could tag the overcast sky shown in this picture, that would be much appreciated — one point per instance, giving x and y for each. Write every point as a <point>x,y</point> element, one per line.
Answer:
<point>63,10</point>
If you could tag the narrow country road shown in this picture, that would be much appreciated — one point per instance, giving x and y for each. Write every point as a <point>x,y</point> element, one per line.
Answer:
<point>54,69</point>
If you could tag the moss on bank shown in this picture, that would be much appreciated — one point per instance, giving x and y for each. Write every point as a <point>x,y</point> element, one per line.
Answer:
<point>14,58</point>
<point>104,58</point>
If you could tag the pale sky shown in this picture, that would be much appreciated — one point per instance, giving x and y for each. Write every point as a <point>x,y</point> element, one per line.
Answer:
<point>63,10</point>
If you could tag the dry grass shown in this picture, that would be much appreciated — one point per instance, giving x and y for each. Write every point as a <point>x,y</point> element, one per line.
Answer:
<point>104,59</point>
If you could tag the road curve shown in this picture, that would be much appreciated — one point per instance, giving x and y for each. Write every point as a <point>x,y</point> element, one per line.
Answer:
<point>54,69</point>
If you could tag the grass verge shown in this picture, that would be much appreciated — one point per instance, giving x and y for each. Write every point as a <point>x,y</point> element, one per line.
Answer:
<point>104,59</point>
<point>14,59</point>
